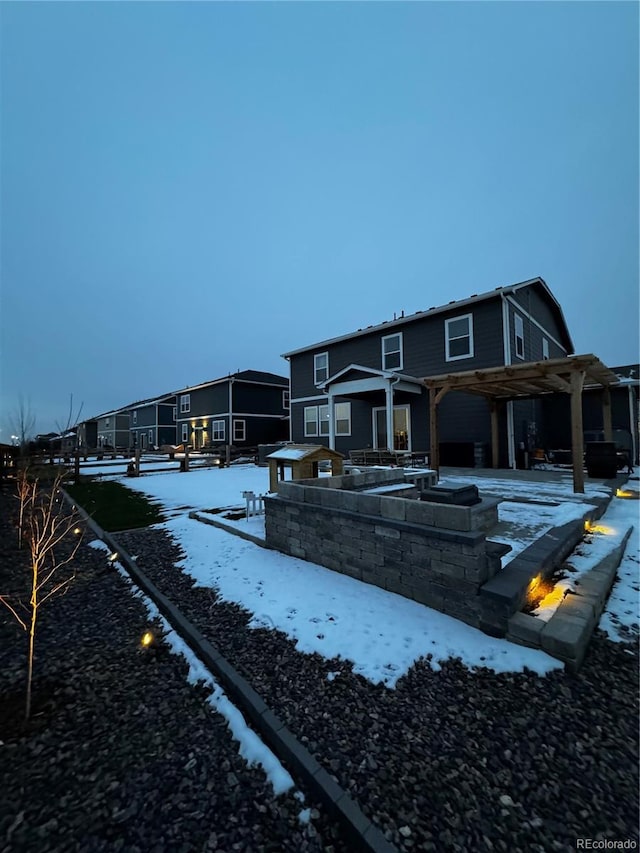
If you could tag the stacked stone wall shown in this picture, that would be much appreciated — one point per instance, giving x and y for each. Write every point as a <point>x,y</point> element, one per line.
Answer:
<point>393,543</point>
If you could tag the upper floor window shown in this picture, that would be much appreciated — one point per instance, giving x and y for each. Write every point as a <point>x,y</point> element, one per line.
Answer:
<point>185,403</point>
<point>134,416</point>
<point>286,398</point>
<point>458,336</point>
<point>320,367</point>
<point>175,412</point>
<point>392,352</point>
<point>519,333</point>
<point>107,422</point>
<point>545,348</point>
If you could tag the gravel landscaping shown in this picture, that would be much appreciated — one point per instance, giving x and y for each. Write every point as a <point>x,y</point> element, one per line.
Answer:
<point>121,753</point>
<point>449,760</point>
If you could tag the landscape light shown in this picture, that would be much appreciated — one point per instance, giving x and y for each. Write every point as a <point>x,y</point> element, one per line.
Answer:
<point>113,557</point>
<point>147,640</point>
<point>77,531</point>
<point>625,493</point>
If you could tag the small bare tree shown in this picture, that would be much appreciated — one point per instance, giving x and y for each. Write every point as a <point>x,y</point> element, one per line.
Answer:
<point>48,526</point>
<point>26,493</point>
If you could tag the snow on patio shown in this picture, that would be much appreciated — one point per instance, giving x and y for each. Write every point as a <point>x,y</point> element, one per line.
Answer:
<point>381,633</point>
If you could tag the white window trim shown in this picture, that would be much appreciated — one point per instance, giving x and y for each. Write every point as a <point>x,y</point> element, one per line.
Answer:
<point>175,413</point>
<point>318,355</point>
<point>218,430</point>
<point>518,334</point>
<point>309,433</point>
<point>448,338</point>
<point>400,350</point>
<point>545,349</point>
<point>185,433</point>
<point>185,403</point>
<point>151,437</point>
<point>134,417</point>
<point>286,399</point>
<point>236,424</point>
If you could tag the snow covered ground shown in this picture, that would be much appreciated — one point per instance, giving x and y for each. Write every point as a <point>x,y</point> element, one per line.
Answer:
<point>381,633</point>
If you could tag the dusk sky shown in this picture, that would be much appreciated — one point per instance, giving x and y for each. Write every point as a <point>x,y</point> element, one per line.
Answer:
<point>191,189</point>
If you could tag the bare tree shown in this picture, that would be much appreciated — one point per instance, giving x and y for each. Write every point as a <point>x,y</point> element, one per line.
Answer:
<point>72,420</point>
<point>48,527</point>
<point>22,422</point>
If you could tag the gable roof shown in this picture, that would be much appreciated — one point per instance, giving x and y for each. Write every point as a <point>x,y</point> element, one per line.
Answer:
<point>399,322</point>
<point>258,377</point>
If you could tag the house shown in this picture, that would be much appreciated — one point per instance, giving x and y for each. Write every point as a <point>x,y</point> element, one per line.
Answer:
<point>152,422</point>
<point>243,409</point>
<point>87,435</point>
<point>113,430</point>
<point>371,379</point>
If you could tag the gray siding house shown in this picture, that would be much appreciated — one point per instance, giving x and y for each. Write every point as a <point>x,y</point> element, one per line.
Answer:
<point>243,409</point>
<point>364,389</point>
<point>152,422</point>
<point>113,430</point>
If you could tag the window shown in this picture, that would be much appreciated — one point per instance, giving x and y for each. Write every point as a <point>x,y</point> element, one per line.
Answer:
<point>545,348</point>
<point>392,352</point>
<point>134,417</point>
<point>175,412</point>
<point>458,337</point>
<point>320,367</point>
<point>519,330</point>
<point>239,430</point>
<point>185,403</point>
<point>343,418</point>
<point>185,433</point>
<point>218,430</point>
<point>107,422</point>
<point>310,420</point>
<point>316,419</point>
<point>150,436</point>
<point>286,399</point>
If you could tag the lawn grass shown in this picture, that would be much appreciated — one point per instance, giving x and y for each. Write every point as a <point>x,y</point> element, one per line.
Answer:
<point>113,506</point>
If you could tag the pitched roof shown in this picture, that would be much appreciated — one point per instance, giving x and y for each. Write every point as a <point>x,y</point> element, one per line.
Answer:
<point>403,320</point>
<point>258,376</point>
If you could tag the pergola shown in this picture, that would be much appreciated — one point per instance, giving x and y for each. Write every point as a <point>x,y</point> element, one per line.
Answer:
<point>530,379</point>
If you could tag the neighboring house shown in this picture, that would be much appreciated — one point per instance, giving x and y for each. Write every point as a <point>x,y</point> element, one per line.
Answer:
<point>371,378</point>
<point>88,435</point>
<point>152,422</point>
<point>113,430</point>
<point>243,409</point>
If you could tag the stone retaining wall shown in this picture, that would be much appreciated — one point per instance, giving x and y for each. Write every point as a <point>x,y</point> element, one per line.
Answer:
<point>435,554</point>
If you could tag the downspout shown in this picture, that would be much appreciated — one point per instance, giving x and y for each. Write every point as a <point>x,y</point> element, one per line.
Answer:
<point>230,437</point>
<point>506,344</point>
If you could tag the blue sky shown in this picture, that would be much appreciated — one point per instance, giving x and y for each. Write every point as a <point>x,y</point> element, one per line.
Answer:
<point>192,189</point>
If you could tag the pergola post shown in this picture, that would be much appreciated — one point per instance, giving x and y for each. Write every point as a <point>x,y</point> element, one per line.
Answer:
<point>606,414</point>
<point>434,456</point>
<point>389,415</point>
<point>494,434</point>
<point>577,436</point>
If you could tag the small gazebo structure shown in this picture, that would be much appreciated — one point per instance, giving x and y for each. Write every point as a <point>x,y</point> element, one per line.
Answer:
<point>303,460</point>
<point>528,379</point>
